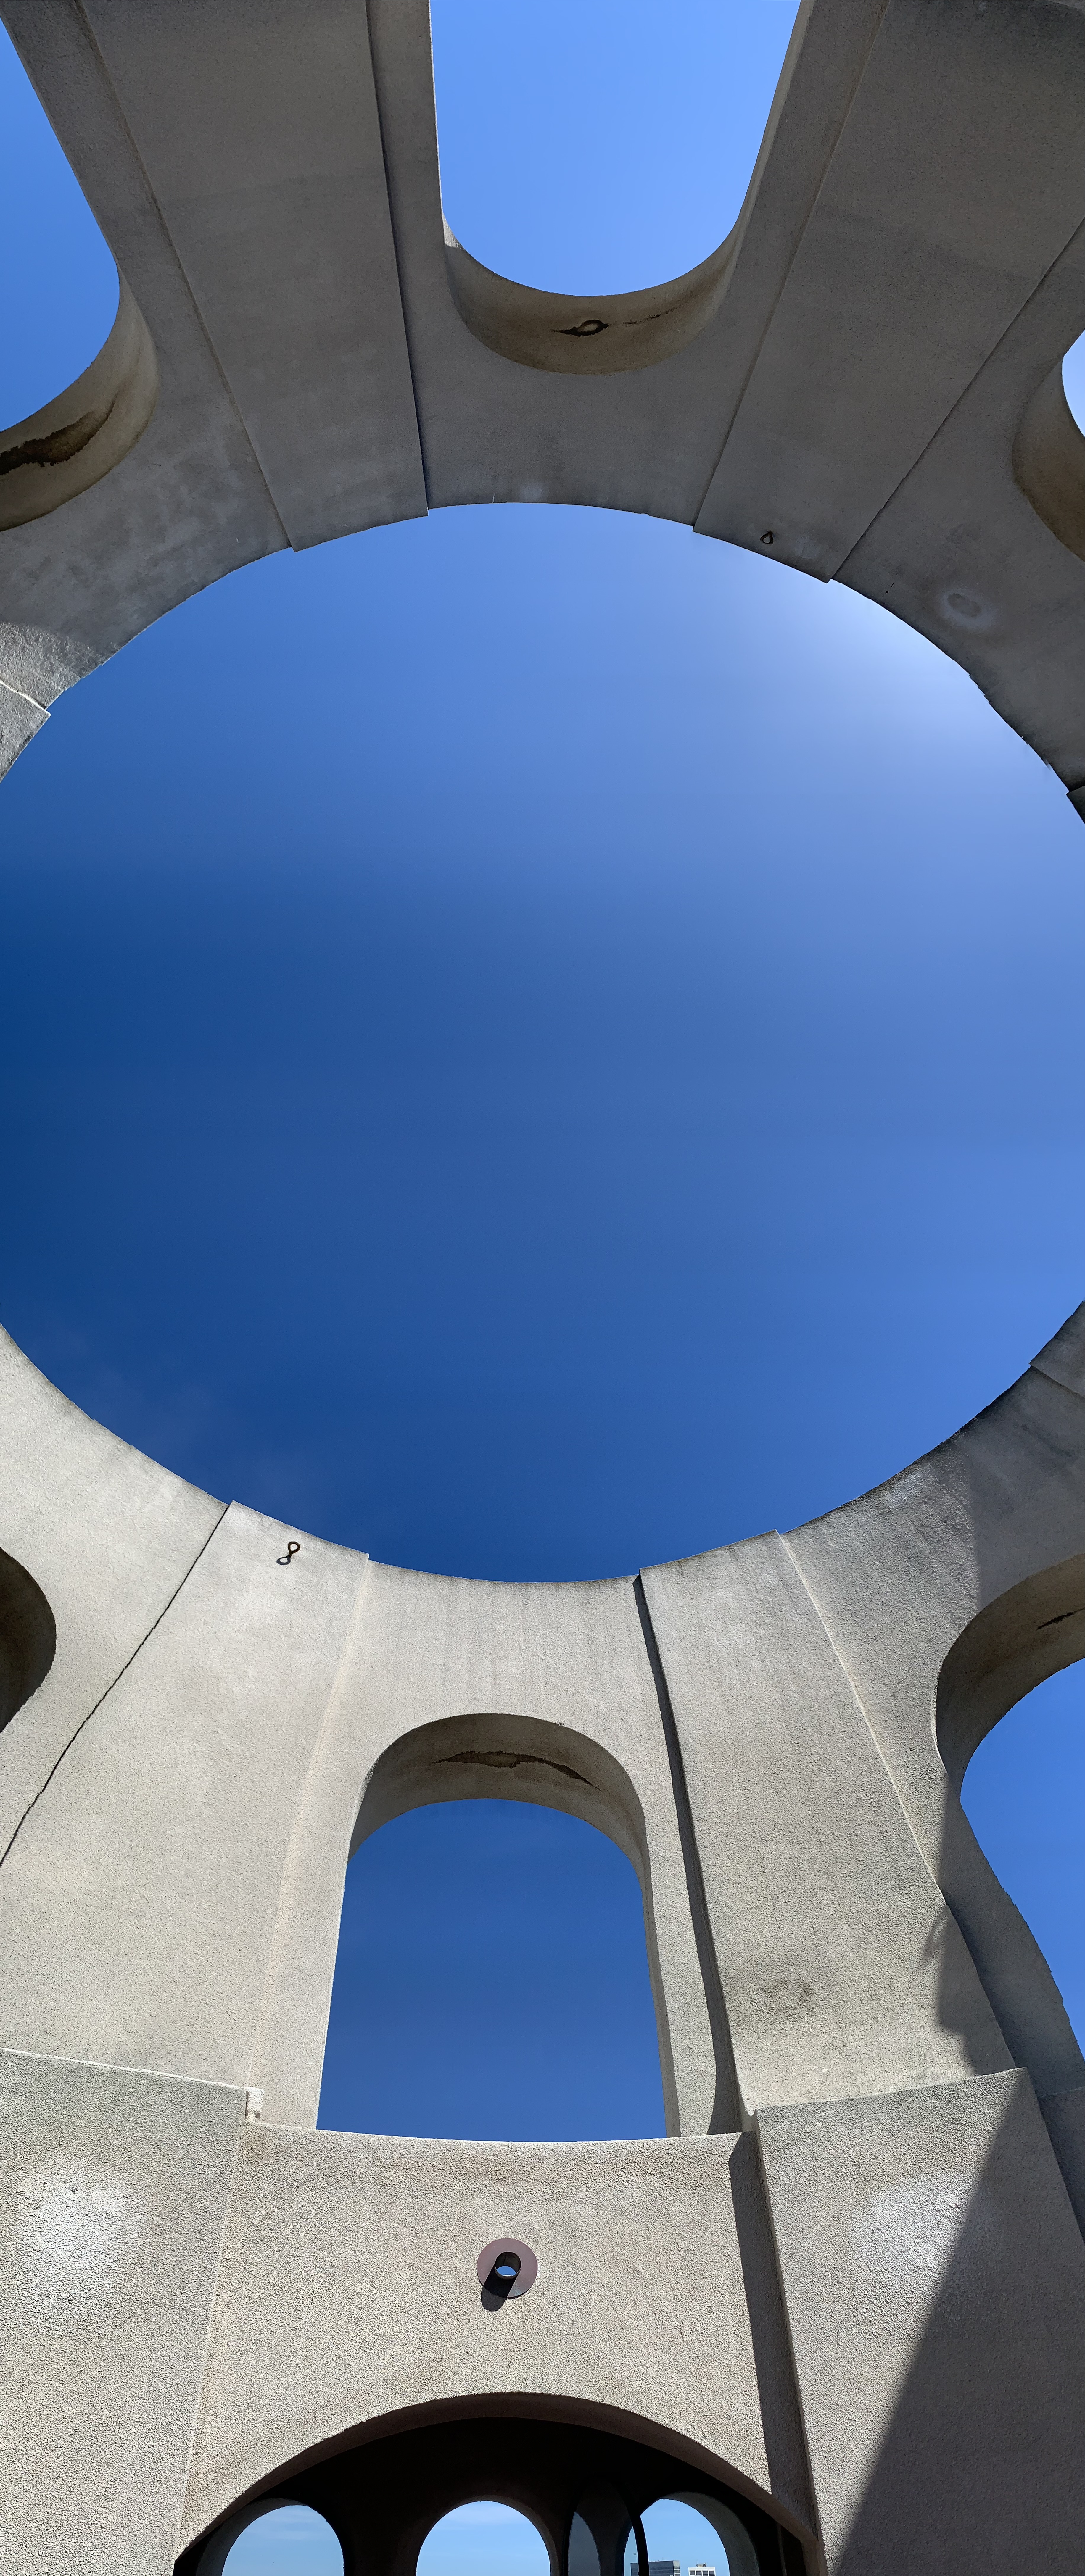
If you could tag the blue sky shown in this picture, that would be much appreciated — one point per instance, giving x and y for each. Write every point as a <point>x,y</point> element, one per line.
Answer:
<point>534,1043</point>
<point>481,2539</point>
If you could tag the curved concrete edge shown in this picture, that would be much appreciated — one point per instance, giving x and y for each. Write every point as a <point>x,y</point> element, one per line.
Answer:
<point>948,1593</point>
<point>934,2283</point>
<point>107,1536</point>
<point>1063,1357</point>
<point>35,668</point>
<point>1024,1636</point>
<point>1064,2118</point>
<point>794,1676</point>
<point>20,719</point>
<point>326,2230</point>
<point>1049,463</point>
<point>577,335</point>
<point>88,429</point>
<point>28,1636</point>
<point>114,2193</point>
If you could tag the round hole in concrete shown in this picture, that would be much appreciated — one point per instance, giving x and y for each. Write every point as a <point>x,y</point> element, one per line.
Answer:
<point>506,2268</point>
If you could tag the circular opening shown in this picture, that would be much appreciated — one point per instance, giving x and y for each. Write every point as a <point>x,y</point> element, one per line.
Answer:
<point>484,2539</point>
<point>287,2540</point>
<point>506,2268</point>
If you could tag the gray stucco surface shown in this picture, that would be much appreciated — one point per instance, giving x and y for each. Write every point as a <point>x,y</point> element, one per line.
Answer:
<point>113,2192</point>
<point>348,2293</point>
<point>929,2240</point>
<point>851,2312</point>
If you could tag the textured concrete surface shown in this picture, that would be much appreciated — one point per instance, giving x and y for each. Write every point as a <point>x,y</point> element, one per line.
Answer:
<point>862,380</point>
<point>109,1538</point>
<point>991,1526</point>
<point>139,1900</point>
<point>113,2196</point>
<point>926,2242</point>
<point>348,2293</point>
<point>843,1969</point>
<point>851,2316</point>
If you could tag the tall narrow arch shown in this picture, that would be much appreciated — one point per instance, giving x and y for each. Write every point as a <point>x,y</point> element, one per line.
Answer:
<point>1032,1630</point>
<point>538,1764</point>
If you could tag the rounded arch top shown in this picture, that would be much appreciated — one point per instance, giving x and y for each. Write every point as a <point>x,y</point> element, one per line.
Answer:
<point>1031,1631</point>
<point>217,2556</point>
<point>576,335</point>
<point>84,432</point>
<point>28,1636</point>
<point>499,1754</point>
<point>524,2508</point>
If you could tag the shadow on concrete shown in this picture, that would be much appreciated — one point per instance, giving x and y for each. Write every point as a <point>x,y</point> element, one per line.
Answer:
<point>1028,1630</point>
<point>986,2426</point>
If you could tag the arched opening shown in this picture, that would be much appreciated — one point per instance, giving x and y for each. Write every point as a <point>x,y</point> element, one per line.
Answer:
<point>492,1981</point>
<point>634,155</point>
<point>273,2539</point>
<point>1024,1796</point>
<point>1019,1785</point>
<point>485,2538</point>
<point>28,1636</point>
<point>693,2536</point>
<point>1073,380</point>
<point>60,278</point>
<point>514,2493</point>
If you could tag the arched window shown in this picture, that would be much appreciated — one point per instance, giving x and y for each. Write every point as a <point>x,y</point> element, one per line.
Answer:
<point>690,2536</point>
<point>60,279</point>
<point>1024,1795</point>
<point>278,2540</point>
<point>492,1981</point>
<point>637,150</point>
<point>1073,380</point>
<point>484,2539</point>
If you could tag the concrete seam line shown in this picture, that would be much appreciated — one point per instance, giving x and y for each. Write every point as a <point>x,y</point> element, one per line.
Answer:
<point>1060,1382</point>
<point>91,38</point>
<point>741,227</point>
<point>398,254</point>
<point>24,697</point>
<point>841,573</point>
<point>110,1686</point>
<point>789,2331</point>
<point>212,2303</point>
<point>696,1896</point>
<point>288,1877</point>
<point>849,1677</point>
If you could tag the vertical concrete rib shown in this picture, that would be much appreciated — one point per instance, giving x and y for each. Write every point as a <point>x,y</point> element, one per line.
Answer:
<point>727,2110</point>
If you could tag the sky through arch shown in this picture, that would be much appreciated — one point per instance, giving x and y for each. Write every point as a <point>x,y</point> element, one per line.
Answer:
<point>492,1982</point>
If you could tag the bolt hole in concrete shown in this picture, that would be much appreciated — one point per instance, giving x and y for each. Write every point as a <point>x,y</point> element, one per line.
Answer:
<point>506,2269</point>
<point>291,2540</point>
<point>560,181</point>
<point>532,2017</point>
<point>60,282</point>
<point>484,2538</point>
<point>1024,1796</point>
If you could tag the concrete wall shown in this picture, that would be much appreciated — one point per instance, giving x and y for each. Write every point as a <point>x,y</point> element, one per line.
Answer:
<point>841,2298</point>
<point>849,384</point>
<point>872,2262</point>
<point>348,2294</point>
